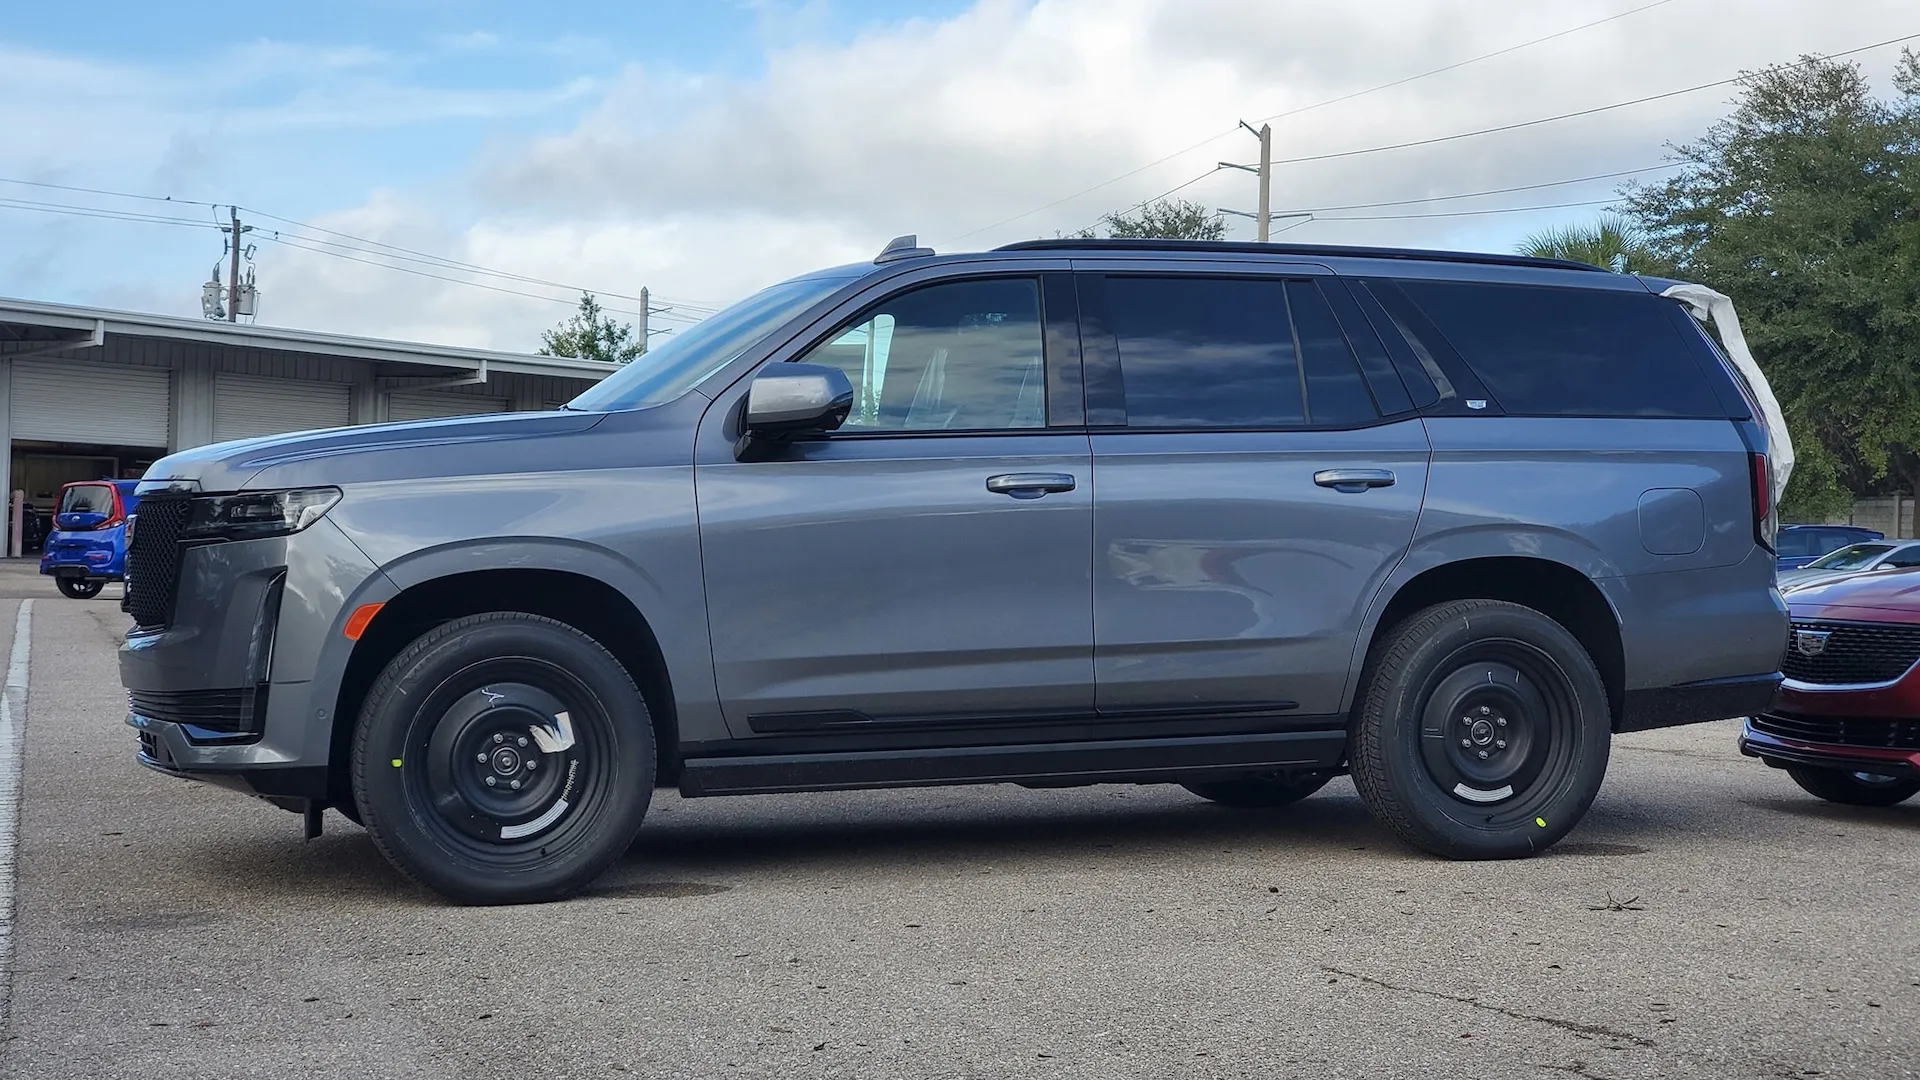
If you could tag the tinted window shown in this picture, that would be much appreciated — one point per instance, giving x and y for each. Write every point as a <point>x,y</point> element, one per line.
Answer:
<point>87,499</point>
<point>1205,352</point>
<point>1853,557</point>
<point>1569,352</point>
<point>1336,394</point>
<point>1794,543</point>
<point>958,356</point>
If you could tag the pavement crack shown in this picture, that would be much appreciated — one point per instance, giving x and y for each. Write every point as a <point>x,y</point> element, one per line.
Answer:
<point>1573,1026</point>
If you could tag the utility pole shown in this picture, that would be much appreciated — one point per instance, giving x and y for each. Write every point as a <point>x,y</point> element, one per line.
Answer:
<point>646,309</point>
<point>1266,177</point>
<point>233,268</point>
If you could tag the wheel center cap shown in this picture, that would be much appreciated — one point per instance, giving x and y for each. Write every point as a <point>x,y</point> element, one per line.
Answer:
<point>1481,733</point>
<point>506,760</point>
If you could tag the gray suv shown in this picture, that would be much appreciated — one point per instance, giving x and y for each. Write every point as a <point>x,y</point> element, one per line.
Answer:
<point>1236,517</point>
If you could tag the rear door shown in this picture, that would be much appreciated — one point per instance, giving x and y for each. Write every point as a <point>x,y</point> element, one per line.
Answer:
<point>1258,471</point>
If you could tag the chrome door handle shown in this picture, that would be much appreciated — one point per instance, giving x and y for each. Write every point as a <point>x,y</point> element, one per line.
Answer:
<point>1353,480</point>
<point>1029,485</point>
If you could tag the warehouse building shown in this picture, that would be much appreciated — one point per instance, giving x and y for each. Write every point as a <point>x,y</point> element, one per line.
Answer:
<point>87,393</point>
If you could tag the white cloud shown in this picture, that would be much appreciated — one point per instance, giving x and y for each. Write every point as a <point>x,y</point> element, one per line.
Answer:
<point>707,186</point>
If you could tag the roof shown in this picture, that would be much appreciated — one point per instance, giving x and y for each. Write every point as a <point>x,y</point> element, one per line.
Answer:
<point>1322,251</point>
<point>103,321</point>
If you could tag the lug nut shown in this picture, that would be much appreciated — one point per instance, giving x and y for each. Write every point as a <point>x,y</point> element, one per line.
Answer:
<point>515,785</point>
<point>491,781</point>
<point>481,757</point>
<point>1502,722</point>
<point>523,740</point>
<point>1466,742</point>
<point>499,738</point>
<point>1486,711</point>
<point>532,764</point>
<point>1483,755</point>
<point>1500,744</point>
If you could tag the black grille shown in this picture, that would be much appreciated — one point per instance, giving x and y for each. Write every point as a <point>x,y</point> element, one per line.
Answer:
<point>1853,653</point>
<point>153,561</point>
<point>1874,731</point>
<point>236,712</point>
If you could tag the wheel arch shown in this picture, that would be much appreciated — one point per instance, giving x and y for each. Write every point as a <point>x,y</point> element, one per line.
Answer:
<point>575,590</point>
<point>1560,591</point>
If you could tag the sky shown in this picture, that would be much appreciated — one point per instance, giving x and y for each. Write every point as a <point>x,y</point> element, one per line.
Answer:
<point>707,148</point>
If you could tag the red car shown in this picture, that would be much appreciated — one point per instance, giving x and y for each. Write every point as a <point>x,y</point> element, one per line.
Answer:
<point>1846,723</point>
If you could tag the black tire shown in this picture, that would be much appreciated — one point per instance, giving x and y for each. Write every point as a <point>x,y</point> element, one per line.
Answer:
<point>1521,694</point>
<point>480,699</point>
<point>79,588</point>
<point>1854,788</point>
<point>1257,792</point>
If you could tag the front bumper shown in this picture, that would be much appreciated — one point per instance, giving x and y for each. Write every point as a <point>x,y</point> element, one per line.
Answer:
<point>1781,752</point>
<point>226,690</point>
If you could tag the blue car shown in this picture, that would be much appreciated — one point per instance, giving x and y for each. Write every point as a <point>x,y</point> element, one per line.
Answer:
<point>1798,545</point>
<point>88,545</point>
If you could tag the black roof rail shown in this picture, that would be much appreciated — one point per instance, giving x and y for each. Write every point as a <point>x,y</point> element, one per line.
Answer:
<point>1324,251</point>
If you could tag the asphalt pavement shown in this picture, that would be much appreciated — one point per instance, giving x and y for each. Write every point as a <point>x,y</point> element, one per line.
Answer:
<point>1708,920</point>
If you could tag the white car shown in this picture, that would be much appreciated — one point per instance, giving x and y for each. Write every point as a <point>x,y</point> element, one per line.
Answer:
<point>1854,559</point>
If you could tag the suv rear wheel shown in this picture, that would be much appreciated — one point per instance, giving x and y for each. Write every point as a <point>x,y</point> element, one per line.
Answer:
<point>1482,732</point>
<point>503,758</point>
<point>1854,788</point>
<point>1254,792</point>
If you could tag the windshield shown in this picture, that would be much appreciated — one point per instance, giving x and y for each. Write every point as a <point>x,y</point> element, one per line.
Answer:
<point>1856,557</point>
<point>87,499</point>
<point>688,356</point>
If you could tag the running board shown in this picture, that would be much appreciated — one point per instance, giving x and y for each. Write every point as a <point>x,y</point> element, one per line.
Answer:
<point>1121,761</point>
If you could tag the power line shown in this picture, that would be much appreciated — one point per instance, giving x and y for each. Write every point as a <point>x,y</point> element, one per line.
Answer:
<point>101,191</point>
<point>1570,115</point>
<point>292,243</point>
<point>1479,194</point>
<point>1466,213</point>
<point>100,212</point>
<point>1306,108</point>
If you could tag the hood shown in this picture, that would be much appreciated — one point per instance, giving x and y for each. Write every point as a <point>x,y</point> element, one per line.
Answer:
<point>334,454</point>
<point>1871,595</point>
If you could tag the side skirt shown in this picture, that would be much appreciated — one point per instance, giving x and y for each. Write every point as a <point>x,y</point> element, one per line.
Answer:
<point>1114,761</point>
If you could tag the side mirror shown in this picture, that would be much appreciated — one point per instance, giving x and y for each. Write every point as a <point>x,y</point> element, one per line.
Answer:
<point>797,399</point>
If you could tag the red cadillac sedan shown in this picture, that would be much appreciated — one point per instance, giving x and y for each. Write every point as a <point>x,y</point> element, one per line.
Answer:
<point>1846,724</point>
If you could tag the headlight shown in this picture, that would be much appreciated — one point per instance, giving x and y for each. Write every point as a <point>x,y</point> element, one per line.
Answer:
<point>251,515</point>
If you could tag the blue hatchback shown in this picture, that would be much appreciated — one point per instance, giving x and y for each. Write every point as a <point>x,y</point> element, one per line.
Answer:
<point>88,545</point>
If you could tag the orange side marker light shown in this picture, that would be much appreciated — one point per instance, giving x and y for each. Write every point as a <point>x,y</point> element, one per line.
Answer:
<point>357,622</point>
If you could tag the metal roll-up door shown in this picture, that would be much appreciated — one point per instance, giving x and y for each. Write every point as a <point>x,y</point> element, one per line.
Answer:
<point>428,405</point>
<point>109,404</point>
<point>246,406</point>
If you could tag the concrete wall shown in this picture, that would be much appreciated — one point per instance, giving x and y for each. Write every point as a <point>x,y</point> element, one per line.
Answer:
<point>1890,514</point>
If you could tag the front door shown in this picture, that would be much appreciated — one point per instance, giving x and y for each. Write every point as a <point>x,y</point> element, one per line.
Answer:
<point>1252,492</point>
<point>928,565</point>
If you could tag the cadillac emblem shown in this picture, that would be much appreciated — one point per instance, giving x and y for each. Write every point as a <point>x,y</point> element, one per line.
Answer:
<point>1811,643</point>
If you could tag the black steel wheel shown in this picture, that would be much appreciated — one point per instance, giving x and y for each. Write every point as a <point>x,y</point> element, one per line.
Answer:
<point>1257,792</point>
<point>1854,788</point>
<point>1482,731</point>
<point>74,588</point>
<point>503,758</point>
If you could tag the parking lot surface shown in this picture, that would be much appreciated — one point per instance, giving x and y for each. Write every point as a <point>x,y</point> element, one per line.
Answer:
<point>1708,919</point>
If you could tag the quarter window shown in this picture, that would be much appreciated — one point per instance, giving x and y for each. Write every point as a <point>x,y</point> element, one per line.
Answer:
<point>957,356</point>
<point>1548,351</point>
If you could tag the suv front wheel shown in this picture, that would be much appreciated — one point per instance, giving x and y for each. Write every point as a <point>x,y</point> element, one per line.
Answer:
<point>503,758</point>
<point>1482,732</point>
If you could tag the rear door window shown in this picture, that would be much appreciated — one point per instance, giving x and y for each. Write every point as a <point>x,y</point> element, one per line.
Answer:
<point>87,499</point>
<point>1202,353</point>
<point>1548,351</point>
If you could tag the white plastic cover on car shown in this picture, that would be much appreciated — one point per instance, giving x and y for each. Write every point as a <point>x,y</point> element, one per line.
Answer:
<point>1708,304</point>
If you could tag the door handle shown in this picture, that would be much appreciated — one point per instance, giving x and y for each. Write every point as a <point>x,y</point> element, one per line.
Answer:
<point>1352,481</point>
<point>1029,485</point>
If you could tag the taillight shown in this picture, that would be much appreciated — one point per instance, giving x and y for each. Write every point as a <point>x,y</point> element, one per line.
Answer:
<point>1763,522</point>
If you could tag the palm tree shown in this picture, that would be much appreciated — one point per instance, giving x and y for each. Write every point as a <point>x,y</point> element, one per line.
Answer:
<point>1613,242</point>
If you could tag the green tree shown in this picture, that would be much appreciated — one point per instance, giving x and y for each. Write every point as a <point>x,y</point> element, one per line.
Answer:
<point>1804,206</point>
<point>591,334</point>
<point>1162,219</point>
<point>1613,242</point>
